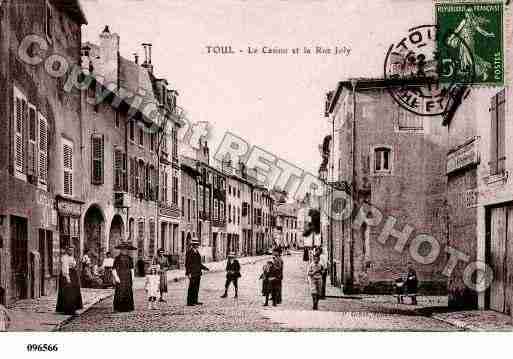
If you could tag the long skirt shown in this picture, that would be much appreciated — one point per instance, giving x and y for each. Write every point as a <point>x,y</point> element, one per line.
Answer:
<point>69,297</point>
<point>163,282</point>
<point>316,285</point>
<point>108,281</point>
<point>124,297</point>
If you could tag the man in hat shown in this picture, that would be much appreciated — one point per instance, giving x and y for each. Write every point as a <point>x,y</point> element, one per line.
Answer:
<point>278,264</point>
<point>193,268</point>
<point>232,274</point>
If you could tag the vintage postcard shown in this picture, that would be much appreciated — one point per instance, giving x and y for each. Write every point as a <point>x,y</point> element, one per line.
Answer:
<point>255,166</point>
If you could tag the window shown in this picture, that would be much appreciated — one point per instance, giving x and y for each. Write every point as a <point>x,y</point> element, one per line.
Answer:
<point>498,135</point>
<point>32,145</point>
<point>193,209</point>
<point>141,137</point>
<point>152,237</point>
<point>216,209</point>
<point>48,20</point>
<point>141,182</point>
<point>189,209</point>
<point>229,214</point>
<point>131,130</point>
<point>67,157</point>
<point>43,151</point>
<point>183,207</point>
<point>221,211</point>
<point>133,171</point>
<point>175,142</point>
<point>175,190</point>
<point>116,119</point>
<point>163,180</point>
<point>152,141</point>
<point>408,121</point>
<point>140,239</point>
<point>382,160</point>
<point>238,215</point>
<point>97,153</point>
<point>119,169</point>
<point>20,115</point>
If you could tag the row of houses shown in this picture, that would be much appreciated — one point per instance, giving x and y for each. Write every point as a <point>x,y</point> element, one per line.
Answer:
<point>90,156</point>
<point>445,176</point>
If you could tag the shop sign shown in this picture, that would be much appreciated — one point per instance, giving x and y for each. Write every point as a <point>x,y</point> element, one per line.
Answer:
<point>464,156</point>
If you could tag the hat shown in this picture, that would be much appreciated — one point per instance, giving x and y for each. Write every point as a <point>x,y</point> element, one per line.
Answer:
<point>125,245</point>
<point>195,241</point>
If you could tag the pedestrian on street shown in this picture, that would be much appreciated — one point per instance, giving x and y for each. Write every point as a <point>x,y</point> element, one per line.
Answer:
<point>123,272</point>
<point>193,271</point>
<point>270,282</point>
<point>306,255</point>
<point>108,263</point>
<point>412,284</point>
<point>278,266</point>
<point>162,264</point>
<point>151,286</point>
<point>232,274</point>
<point>87,273</point>
<point>323,260</point>
<point>5,319</point>
<point>315,270</point>
<point>69,297</point>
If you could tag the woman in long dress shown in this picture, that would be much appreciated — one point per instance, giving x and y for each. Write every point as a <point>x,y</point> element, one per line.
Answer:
<point>123,272</point>
<point>162,265</point>
<point>69,297</point>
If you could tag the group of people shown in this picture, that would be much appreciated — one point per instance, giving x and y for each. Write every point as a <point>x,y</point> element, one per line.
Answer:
<point>98,275</point>
<point>272,278</point>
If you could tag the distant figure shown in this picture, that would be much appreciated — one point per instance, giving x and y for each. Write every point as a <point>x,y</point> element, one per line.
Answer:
<point>315,271</point>
<point>412,283</point>
<point>5,319</point>
<point>162,264</point>
<point>270,282</point>
<point>69,297</point>
<point>123,272</point>
<point>232,274</point>
<point>108,263</point>
<point>278,266</point>
<point>306,255</point>
<point>193,271</point>
<point>87,274</point>
<point>151,286</point>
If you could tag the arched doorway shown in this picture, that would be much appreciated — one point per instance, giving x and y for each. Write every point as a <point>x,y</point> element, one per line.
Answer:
<point>117,229</point>
<point>94,223</point>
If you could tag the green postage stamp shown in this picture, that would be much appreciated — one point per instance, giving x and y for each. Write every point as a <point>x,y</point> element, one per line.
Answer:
<point>472,33</point>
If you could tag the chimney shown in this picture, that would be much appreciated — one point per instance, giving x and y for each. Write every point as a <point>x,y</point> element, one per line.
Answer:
<point>136,58</point>
<point>109,52</point>
<point>147,57</point>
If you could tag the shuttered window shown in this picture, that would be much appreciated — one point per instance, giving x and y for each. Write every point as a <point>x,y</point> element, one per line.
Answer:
<point>498,135</point>
<point>20,115</point>
<point>152,237</point>
<point>67,152</point>
<point>43,151</point>
<point>175,190</point>
<point>133,171</point>
<point>140,239</point>
<point>119,170</point>
<point>97,159</point>
<point>32,143</point>
<point>141,178</point>
<point>174,140</point>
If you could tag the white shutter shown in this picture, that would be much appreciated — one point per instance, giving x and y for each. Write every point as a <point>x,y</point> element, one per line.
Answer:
<point>67,150</point>
<point>32,143</point>
<point>20,114</point>
<point>43,150</point>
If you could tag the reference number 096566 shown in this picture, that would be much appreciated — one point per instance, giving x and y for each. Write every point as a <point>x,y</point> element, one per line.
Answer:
<point>42,347</point>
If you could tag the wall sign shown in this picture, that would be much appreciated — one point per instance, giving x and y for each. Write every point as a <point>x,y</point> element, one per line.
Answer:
<point>464,156</point>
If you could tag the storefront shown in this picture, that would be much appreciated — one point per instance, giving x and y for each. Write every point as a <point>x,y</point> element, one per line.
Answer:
<point>69,212</point>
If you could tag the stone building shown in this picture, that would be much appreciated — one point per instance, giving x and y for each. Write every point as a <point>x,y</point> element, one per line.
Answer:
<point>234,211</point>
<point>40,186</point>
<point>394,160</point>
<point>480,190</point>
<point>286,223</point>
<point>127,166</point>
<point>189,199</point>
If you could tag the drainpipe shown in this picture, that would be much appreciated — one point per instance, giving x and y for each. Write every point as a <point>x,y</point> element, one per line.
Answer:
<point>353,181</point>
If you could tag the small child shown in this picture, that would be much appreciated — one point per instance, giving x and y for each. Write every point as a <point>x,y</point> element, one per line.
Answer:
<point>152,287</point>
<point>269,283</point>
<point>5,319</point>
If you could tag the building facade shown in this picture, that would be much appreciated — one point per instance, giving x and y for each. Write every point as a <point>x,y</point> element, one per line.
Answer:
<point>40,202</point>
<point>374,140</point>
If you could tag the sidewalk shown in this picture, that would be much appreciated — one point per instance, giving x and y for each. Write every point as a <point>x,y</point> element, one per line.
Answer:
<point>39,314</point>
<point>477,320</point>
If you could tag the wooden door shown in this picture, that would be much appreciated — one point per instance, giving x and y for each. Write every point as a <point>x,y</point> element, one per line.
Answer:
<point>497,257</point>
<point>20,257</point>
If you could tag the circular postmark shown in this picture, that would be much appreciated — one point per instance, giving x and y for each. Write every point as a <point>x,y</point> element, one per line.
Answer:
<point>424,71</point>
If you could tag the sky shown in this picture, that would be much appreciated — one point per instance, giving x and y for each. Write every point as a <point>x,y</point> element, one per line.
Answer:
<point>273,101</point>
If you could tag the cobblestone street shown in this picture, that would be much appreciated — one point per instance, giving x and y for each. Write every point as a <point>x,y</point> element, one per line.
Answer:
<point>247,313</point>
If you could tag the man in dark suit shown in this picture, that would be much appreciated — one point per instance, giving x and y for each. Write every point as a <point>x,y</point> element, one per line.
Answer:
<point>193,268</point>
<point>278,264</point>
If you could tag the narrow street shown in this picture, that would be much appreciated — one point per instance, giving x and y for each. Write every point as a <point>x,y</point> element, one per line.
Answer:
<point>247,313</point>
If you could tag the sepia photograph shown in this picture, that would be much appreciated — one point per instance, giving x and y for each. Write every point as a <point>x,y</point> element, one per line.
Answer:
<point>237,166</point>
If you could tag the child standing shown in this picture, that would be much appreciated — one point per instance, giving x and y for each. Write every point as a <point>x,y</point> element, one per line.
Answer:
<point>315,270</point>
<point>269,278</point>
<point>152,287</point>
<point>5,319</point>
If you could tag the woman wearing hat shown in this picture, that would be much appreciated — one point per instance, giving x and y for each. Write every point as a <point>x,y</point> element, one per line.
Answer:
<point>162,264</point>
<point>122,271</point>
<point>69,297</point>
<point>232,274</point>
